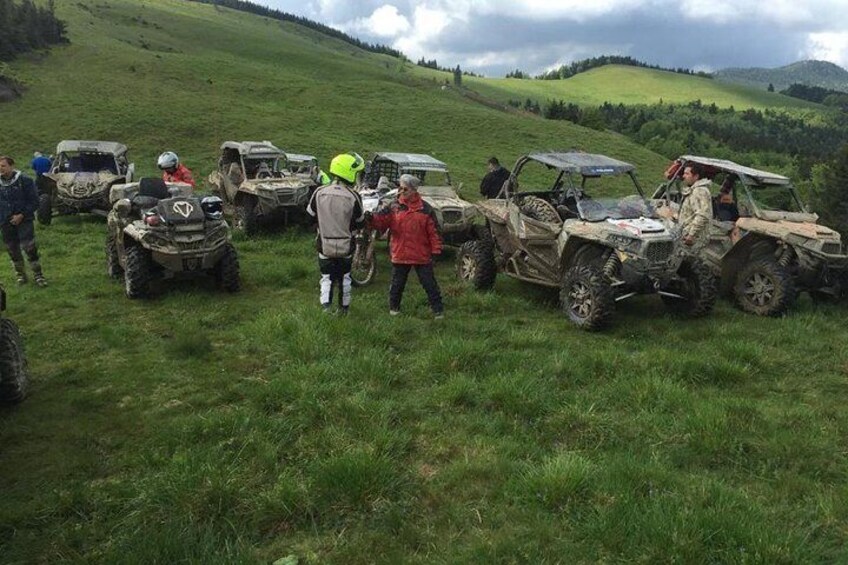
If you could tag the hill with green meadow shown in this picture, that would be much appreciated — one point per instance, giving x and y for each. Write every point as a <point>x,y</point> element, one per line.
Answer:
<point>634,85</point>
<point>251,428</point>
<point>811,73</point>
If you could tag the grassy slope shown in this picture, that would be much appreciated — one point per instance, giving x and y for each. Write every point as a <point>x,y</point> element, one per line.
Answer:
<point>632,85</point>
<point>239,428</point>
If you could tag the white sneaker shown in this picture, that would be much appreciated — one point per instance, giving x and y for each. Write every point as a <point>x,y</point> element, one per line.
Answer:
<point>394,312</point>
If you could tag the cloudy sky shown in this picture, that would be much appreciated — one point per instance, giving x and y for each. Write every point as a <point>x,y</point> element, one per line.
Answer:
<point>494,36</point>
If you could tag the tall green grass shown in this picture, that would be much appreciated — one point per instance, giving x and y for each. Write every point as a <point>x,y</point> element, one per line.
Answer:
<point>204,427</point>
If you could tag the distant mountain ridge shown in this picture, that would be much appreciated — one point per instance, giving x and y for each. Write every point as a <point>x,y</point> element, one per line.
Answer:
<point>811,73</point>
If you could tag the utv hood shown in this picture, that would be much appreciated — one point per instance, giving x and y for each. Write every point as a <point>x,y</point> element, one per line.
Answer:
<point>781,228</point>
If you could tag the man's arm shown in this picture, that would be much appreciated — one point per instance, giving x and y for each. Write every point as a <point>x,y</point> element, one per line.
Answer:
<point>702,206</point>
<point>30,195</point>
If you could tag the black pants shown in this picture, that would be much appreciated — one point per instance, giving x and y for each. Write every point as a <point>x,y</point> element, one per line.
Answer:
<point>427,278</point>
<point>21,236</point>
<point>335,272</point>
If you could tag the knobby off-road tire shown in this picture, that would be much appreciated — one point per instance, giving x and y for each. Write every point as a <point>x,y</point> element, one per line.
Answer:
<point>44,214</point>
<point>14,377</point>
<point>475,264</point>
<point>765,288</point>
<point>364,264</point>
<point>586,297</point>
<point>138,274</point>
<point>246,217</point>
<point>227,273</point>
<point>699,289</point>
<point>539,209</point>
<point>113,265</point>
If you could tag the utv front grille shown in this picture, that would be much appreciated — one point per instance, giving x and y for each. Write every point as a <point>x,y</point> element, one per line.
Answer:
<point>659,251</point>
<point>288,196</point>
<point>832,248</point>
<point>452,216</point>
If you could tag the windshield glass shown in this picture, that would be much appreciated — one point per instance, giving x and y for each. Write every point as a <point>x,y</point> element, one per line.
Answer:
<point>87,163</point>
<point>261,167</point>
<point>599,209</point>
<point>777,198</point>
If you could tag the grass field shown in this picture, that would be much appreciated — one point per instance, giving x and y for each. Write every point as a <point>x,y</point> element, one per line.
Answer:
<point>212,428</point>
<point>633,85</point>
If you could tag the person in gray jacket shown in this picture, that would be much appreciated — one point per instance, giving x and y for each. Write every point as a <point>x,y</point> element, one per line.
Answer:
<point>338,209</point>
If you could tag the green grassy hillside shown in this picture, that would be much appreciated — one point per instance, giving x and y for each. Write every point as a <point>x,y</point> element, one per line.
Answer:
<point>633,85</point>
<point>208,428</point>
<point>183,76</point>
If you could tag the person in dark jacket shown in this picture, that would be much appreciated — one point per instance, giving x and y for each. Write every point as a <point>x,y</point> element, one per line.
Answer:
<point>18,202</point>
<point>494,179</point>
<point>414,241</point>
<point>41,165</point>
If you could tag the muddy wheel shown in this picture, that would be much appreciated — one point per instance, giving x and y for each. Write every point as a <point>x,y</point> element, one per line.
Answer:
<point>764,288</point>
<point>364,265</point>
<point>113,265</point>
<point>14,377</point>
<point>475,264</point>
<point>246,217</point>
<point>138,272</point>
<point>586,297</point>
<point>227,270</point>
<point>698,287</point>
<point>44,214</point>
<point>539,209</point>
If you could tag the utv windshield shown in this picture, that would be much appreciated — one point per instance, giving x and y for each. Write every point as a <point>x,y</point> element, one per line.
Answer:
<point>597,210</point>
<point>87,163</point>
<point>261,167</point>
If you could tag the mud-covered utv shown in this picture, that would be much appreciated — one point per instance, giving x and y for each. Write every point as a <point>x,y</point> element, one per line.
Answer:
<point>159,230</point>
<point>596,251</point>
<point>300,164</point>
<point>14,377</point>
<point>82,174</point>
<point>765,245</point>
<point>254,180</point>
<point>455,217</point>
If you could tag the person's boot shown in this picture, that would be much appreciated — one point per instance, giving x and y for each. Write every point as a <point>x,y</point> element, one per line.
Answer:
<point>20,272</point>
<point>37,274</point>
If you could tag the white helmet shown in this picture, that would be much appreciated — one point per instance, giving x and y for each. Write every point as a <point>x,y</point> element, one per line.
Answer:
<point>168,160</point>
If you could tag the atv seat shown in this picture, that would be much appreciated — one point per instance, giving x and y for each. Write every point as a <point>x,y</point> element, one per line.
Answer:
<point>153,187</point>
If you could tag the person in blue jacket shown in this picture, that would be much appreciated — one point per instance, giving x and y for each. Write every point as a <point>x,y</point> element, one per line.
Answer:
<point>18,203</point>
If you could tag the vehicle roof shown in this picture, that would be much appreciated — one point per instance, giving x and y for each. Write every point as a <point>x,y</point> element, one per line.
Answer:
<point>300,158</point>
<point>588,164</point>
<point>254,148</point>
<point>70,145</point>
<point>762,177</point>
<point>417,161</point>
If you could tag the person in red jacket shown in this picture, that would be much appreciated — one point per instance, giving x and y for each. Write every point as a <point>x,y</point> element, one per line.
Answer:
<point>173,170</point>
<point>414,241</point>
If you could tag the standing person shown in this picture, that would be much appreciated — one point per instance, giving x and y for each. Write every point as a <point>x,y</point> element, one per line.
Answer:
<point>18,203</point>
<point>414,241</point>
<point>173,170</point>
<point>492,183</point>
<point>696,210</point>
<point>338,209</point>
<point>40,165</point>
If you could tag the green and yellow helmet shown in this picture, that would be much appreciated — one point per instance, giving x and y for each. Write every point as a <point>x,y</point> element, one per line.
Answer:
<point>346,165</point>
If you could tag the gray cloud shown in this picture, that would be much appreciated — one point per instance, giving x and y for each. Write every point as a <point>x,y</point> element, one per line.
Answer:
<point>495,36</point>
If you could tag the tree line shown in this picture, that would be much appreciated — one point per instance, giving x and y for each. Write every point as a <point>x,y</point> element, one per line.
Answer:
<point>768,138</point>
<point>27,27</point>
<point>250,7</point>
<point>577,67</point>
<point>818,94</point>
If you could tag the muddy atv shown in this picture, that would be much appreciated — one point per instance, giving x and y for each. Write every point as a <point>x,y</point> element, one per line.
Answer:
<point>764,244</point>
<point>455,217</point>
<point>159,230</point>
<point>255,182</point>
<point>81,177</point>
<point>596,251</point>
<point>14,377</point>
